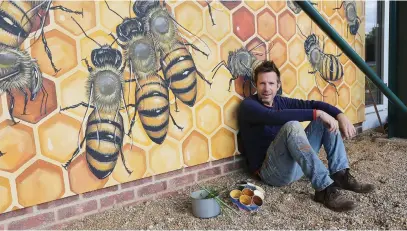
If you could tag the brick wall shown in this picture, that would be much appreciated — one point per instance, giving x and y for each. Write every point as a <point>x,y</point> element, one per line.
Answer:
<point>60,213</point>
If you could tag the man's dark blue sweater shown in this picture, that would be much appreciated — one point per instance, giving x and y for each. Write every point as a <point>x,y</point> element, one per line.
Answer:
<point>259,124</point>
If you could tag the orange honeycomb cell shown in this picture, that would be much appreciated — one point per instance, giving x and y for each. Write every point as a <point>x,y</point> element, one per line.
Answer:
<point>350,73</point>
<point>286,25</point>
<point>277,6</point>
<point>351,113</point>
<point>88,45</point>
<point>204,62</point>
<point>223,144</point>
<point>183,118</point>
<point>337,24</point>
<point>230,111</point>
<point>136,161</point>
<point>73,91</point>
<point>330,95</point>
<point>81,179</point>
<point>258,48</point>
<point>328,7</point>
<point>5,194</point>
<point>195,149</point>
<point>243,23</point>
<point>358,93</point>
<point>288,78</point>
<point>109,19</point>
<point>278,52</point>
<point>87,20</point>
<point>298,94</point>
<point>344,96</point>
<point>296,52</point>
<point>255,5</point>
<point>315,94</point>
<point>182,14</point>
<point>63,51</point>
<point>17,142</point>
<point>36,110</point>
<point>305,79</point>
<point>220,86</point>
<point>208,116</point>
<point>222,25</point>
<point>361,113</point>
<point>266,24</point>
<point>343,58</point>
<point>305,26</point>
<point>43,177</point>
<point>165,157</point>
<point>230,44</point>
<point>59,137</point>
<point>231,4</point>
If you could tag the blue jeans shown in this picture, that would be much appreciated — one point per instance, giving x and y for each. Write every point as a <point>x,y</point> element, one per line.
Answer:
<point>294,153</point>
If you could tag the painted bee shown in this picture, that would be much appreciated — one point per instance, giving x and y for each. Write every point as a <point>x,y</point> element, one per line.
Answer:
<point>104,130</point>
<point>17,69</point>
<point>152,97</point>
<point>176,61</point>
<point>295,7</point>
<point>242,62</point>
<point>327,65</point>
<point>351,16</point>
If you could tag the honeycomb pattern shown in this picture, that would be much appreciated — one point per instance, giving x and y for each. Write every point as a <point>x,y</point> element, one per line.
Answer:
<point>43,140</point>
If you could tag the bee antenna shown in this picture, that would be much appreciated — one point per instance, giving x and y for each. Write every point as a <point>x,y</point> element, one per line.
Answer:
<point>301,31</point>
<point>113,10</point>
<point>115,39</point>
<point>85,32</point>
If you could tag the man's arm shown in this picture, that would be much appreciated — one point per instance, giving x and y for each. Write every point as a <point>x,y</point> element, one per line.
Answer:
<point>313,104</point>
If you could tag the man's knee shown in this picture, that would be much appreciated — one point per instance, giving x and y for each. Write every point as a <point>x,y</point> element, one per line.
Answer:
<point>293,126</point>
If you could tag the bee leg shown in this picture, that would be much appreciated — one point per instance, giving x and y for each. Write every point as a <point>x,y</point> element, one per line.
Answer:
<point>133,120</point>
<point>77,105</point>
<point>333,85</point>
<point>66,165</point>
<point>230,83</point>
<point>316,84</point>
<point>124,162</point>
<point>175,123</point>
<point>2,153</point>
<point>203,78</point>
<point>59,7</point>
<point>197,49</point>
<point>44,95</point>
<point>176,105</point>
<point>210,12</point>
<point>25,101</point>
<point>90,69</point>
<point>11,108</point>
<point>340,6</point>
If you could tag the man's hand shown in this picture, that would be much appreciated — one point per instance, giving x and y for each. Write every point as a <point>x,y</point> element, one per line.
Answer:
<point>330,122</point>
<point>347,129</point>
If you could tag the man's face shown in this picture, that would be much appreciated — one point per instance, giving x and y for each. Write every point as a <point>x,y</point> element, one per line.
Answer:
<point>267,87</point>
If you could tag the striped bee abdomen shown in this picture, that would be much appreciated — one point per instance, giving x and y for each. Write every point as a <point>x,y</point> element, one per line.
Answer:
<point>104,137</point>
<point>153,107</point>
<point>331,68</point>
<point>181,75</point>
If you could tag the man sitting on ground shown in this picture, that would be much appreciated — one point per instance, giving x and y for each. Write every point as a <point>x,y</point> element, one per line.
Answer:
<point>280,151</point>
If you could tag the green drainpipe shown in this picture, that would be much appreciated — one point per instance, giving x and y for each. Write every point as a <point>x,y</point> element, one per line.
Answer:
<point>352,55</point>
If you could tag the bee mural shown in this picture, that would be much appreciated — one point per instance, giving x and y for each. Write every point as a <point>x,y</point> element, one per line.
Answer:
<point>351,16</point>
<point>327,65</point>
<point>17,69</point>
<point>295,7</point>
<point>104,130</point>
<point>152,96</point>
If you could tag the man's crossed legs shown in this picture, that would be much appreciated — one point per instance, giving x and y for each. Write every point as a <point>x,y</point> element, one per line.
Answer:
<point>294,153</point>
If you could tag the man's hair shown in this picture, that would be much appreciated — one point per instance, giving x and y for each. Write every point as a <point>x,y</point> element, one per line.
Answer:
<point>266,66</point>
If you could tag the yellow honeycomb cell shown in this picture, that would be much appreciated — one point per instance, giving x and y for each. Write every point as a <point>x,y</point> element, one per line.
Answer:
<point>298,94</point>
<point>296,52</point>
<point>59,137</point>
<point>361,113</point>
<point>136,162</point>
<point>359,48</point>
<point>87,21</point>
<point>278,52</point>
<point>88,45</point>
<point>330,47</point>
<point>305,26</point>
<point>223,144</point>
<point>357,92</point>
<point>359,8</point>
<point>203,62</point>
<point>330,95</point>
<point>360,77</point>
<point>138,134</point>
<point>165,157</point>
<point>73,91</point>
<point>255,5</point>
<point>17,142</point>
<point>337,24</point>
<point>344,96</point>
<point>286,24</point>
<point>222,25</point>
<point>321,83</point>
<point>220,86</point>
<point>202,87</point>
<point>5,194</point>
<point>230,111</point>
<point>81,179</point>
<point>183,118</point>
<point>45,179</point>
<point>350,73</point>
<point>343,58</point>
<point>266,24</point>
<point>351,113</point>
<point>305,79</point>
<point>208,116</point>
<point>328,7</point>
<point>109,19</point>
<point>315,94</point>
<point>195,149</point>
<point>182,14</point>
<point>288,77</point>
<point>277,6</point>
<point>341,11</point>
<point>231,44</point>
<point>61,47</point>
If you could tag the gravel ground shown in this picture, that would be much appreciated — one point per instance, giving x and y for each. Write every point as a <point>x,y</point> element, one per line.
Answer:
<point>289,207</point>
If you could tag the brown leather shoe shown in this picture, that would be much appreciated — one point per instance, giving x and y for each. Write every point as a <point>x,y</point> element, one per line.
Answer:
<point>345,180</point>
<point>331,197</point>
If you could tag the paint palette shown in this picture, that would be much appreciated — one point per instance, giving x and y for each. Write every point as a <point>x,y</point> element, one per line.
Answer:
<point>247,197</point>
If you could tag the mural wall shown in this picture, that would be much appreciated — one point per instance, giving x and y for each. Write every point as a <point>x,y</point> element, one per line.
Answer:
<point>99,93</point>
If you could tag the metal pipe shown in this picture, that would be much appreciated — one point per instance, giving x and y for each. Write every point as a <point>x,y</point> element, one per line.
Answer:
<point>352,55</point>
